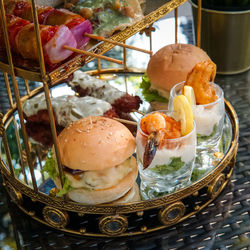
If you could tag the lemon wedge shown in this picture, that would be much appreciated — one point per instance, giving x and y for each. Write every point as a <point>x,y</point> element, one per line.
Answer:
<point>189,93</point>
<point>184,113</point>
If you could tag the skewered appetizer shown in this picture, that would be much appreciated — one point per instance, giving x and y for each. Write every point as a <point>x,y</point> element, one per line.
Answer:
<point>107,16</point>
<point>166,148</point>
<point>207,100</point>
<point>50,16</point>
<point>23,40</point>
<point>67,109</point>
<point>86,85</point>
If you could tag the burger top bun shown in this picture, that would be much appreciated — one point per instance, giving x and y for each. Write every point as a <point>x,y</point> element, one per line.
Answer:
<point>95,143</point>
<point>170,65</point>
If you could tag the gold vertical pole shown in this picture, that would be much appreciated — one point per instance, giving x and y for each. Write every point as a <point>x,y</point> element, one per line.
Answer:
<point>38,40</point>
<point>176,24</point>
<point>151,29</point>
<point>16,93</point>
<point>7,84</point>
<point>126,83</point>
<point>124,58</point>
<point>99,66</point>
<point>38,153</point>
<point>125,67</point>
<point>198,43</point>
<point>150,42</point>
<point>27,86</point>
<point>46,90</point>
<point>20,150</point>
<point>6,146</point>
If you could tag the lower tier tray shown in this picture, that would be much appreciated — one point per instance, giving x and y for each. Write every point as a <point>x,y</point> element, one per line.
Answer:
<point>211,173</point>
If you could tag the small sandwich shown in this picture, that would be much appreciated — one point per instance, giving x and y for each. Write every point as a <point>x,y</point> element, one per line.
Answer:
<point>96,155</point>
<point>167,67</point>
<point>108,16</point>
<point>66,109</point>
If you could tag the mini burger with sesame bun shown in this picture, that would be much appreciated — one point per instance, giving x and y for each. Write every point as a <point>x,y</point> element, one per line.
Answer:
<point>96,155</point>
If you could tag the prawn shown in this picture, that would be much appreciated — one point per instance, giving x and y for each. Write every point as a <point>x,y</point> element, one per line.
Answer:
<point>159,127</point>
<point>199,79</point>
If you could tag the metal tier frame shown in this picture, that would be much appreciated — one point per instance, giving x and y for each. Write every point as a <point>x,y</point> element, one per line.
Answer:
<point>110,220</point>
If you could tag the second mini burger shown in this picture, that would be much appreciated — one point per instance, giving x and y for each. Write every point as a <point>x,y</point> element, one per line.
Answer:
<point>167,67</point>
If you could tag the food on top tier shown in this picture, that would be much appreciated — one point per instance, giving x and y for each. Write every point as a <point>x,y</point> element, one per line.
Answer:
<point>22,40</point>
<point>122,102</point>
<point>167,67</point>
<point>67,109</point>
<point>166,147</point>
<point>107,16</point>
<point>50,16</point>
<point>96,155</point>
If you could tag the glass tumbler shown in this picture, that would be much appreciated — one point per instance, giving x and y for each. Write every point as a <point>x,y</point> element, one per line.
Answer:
<point>172,164</point>
<point>209,118</point>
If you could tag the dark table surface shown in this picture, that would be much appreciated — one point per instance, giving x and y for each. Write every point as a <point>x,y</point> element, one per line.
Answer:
<point>225,223</point>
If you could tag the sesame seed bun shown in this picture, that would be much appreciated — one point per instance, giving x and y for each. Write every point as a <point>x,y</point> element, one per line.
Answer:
<point>171,64</point>
<point>95,143</point>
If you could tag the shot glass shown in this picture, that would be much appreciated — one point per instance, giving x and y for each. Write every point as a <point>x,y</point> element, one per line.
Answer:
<point>209,118</point>
<point>172,164</point>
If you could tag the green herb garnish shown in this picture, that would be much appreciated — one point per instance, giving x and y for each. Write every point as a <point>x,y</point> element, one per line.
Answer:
<point>201,138</point>
<point>197,174</point>
<point>175,164</point>
<point>153,193</point>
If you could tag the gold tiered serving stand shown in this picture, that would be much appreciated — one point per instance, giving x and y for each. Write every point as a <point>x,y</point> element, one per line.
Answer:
<point>105,220</point>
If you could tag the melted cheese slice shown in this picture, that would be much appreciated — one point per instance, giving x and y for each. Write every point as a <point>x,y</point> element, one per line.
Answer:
<point>102,179</point>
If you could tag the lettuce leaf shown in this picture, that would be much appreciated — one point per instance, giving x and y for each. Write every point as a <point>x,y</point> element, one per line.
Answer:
<point>50,166</point>
<point>150,95</point>
<point>50,169</point>
<point>66,187</point>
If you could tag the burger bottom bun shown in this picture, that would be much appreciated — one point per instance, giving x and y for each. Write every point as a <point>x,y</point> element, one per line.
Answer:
<point>106,195</point>
<point>133,195</point>
<point>159,105</point>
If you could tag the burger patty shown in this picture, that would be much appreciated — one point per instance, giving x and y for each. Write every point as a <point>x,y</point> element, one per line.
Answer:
<point>102,179</point>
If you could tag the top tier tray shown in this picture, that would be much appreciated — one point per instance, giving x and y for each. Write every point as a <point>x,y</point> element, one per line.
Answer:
<point>63,71</point>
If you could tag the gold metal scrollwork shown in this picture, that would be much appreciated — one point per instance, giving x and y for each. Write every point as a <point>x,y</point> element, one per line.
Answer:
<point>15,195</point>
<point>172,214</point>
<point>216,186</point>
<point>55,217</point>
<point>1,125</point>
<point>113,224</point>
